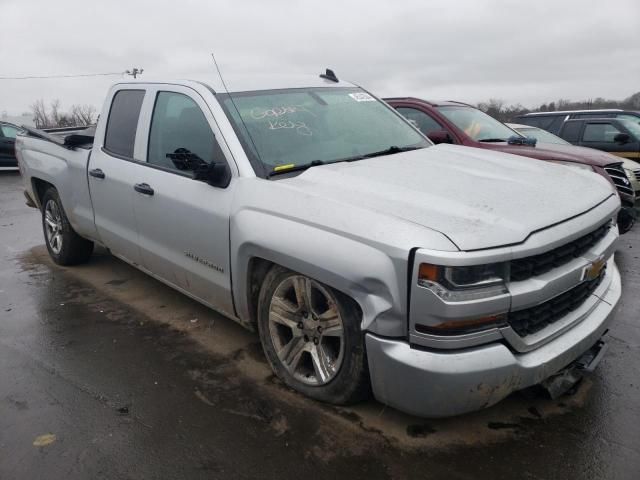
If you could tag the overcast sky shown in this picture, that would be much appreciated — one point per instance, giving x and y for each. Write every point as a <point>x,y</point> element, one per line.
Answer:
<point>469,50</point>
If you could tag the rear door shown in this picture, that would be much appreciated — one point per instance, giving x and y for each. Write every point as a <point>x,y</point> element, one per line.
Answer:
<point>112,170</point>
<point>183,223</point>
<point>601,134</point>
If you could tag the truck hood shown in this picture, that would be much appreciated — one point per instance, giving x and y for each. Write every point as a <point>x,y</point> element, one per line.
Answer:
<point>553,151</point>
<point>477,198</point>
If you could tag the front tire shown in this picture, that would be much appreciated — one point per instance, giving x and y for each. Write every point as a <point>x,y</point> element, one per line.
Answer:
<point>311,337</point>
<point>65,246</point>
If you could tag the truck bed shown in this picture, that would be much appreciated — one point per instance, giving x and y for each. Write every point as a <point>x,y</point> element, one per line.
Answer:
<point>70,137</point>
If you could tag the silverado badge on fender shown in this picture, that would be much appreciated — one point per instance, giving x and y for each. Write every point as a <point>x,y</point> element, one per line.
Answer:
<point>204,262</point>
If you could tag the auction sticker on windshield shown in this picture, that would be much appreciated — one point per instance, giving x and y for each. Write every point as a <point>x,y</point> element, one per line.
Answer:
<point>362,97</point>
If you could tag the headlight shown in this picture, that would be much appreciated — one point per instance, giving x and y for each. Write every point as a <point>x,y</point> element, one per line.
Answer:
<point>456,284</point>
<point>580,166</point>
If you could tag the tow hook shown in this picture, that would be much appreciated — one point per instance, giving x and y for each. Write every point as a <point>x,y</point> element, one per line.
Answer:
<point>567,378</point>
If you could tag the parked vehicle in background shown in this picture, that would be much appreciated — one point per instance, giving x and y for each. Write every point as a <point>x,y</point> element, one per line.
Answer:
<point>442,278</point>
<point>631,167</point>
<point>8,133</point>
<point>462,124</point>
<point>618,137</point>
<point>552,121</point>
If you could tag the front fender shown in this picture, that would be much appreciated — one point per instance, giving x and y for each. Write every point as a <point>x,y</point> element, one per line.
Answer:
<point>374,278</point>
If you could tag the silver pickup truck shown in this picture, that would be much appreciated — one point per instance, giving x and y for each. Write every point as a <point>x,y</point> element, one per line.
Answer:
<point>441,278</point>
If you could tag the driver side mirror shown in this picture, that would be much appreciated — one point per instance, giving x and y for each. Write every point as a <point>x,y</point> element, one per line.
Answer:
<point>622,138</point>
<point>440,136</point>
<point>215,174</point>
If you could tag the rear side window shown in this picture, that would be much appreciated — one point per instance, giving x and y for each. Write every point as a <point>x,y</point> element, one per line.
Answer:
<point>571,131</point>
<point>539,121</point>
<point>180,137</point>
<point>556,124</point>
<point>123,122</point>
<point>424,122</point>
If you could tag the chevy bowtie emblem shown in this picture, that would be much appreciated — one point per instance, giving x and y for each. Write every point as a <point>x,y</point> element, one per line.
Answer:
<point>593,271</point>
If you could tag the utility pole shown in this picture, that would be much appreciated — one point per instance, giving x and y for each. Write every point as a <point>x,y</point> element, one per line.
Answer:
<point>134,72</point>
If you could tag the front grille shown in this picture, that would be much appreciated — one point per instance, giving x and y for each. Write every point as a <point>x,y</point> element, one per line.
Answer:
<point>532,320</point>
<point>525,268</point>
<point>637,174</point>
<point>619,178</point>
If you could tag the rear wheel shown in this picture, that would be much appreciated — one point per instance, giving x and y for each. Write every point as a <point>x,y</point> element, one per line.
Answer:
<point>65,246</point>
<point>311,336</point>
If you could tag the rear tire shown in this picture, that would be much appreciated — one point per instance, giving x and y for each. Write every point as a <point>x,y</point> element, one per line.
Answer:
<point>311,337</point>
<point>65,246</point>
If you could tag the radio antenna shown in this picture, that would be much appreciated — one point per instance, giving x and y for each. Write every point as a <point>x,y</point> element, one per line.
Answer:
<point>255,149</point>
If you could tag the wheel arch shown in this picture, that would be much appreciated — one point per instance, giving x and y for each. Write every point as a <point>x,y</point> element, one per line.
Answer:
<point>39,187</point>
<point>370,277</point>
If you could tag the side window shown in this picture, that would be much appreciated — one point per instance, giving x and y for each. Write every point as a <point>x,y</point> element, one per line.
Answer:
<point>540,121</point>
<point>8,131</point>
<point>424,122</point>
<point>571,131</point>
<point>556,124</point>
<point>599,132</point>
<point>123,122</point>
<point>180,137</point>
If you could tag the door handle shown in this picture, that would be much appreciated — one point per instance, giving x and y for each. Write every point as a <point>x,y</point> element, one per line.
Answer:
<point>97,173</point>
<point>143,188</point>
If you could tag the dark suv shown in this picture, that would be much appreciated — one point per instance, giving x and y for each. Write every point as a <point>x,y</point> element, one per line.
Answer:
<point>462,124</point>
<point>8,134</point>
<point>552,121</point>
<point>619,137</point>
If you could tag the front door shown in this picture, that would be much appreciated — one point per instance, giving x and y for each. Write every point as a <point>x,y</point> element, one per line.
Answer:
<point>602,135</point>
<point>183,224</point>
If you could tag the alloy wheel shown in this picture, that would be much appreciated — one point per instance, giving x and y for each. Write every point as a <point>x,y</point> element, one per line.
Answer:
<point>307,330</point>
<point>53,226</point>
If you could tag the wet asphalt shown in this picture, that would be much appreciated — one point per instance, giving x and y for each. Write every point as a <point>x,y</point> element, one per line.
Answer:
<point>106,373</point>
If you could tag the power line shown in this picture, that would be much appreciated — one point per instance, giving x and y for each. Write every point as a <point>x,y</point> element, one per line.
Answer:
<point>30,77</point>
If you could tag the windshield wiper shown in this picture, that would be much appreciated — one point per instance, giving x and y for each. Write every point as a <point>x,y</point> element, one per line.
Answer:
<point>282,169</point>
<point>492,140</point>
<point>389,151</point>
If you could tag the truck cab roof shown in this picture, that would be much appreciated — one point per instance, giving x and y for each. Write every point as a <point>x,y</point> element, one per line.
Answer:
<point>246,83</point>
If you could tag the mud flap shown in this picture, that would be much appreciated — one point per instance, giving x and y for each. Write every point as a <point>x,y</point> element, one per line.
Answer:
<point>567,378</point>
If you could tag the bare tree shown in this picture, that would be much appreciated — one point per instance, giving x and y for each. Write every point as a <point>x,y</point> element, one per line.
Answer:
<point>78,115</point>
<point>40,115</point>
<point>83,114</point>
<point>55,112</point>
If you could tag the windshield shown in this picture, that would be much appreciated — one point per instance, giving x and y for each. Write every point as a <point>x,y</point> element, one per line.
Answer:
<point>309,126</point>
<point>633,127</point>
<point>477,124</point>
<point>542,135</point>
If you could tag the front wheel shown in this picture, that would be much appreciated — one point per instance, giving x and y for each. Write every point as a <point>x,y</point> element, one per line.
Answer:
<point>311,337</point>
<point>65,246</point>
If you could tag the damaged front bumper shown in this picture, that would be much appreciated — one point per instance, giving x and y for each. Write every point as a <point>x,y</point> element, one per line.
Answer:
<point>441,383</point>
